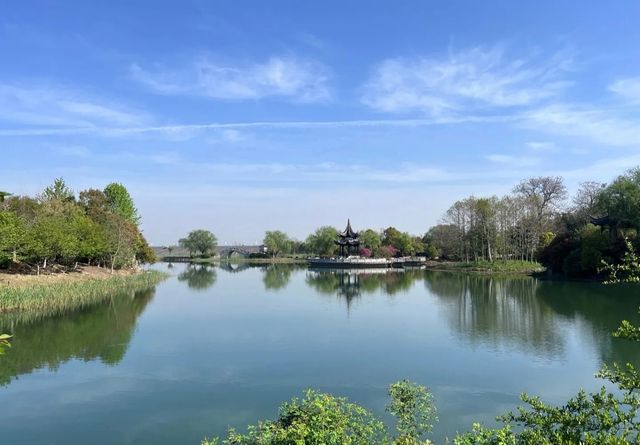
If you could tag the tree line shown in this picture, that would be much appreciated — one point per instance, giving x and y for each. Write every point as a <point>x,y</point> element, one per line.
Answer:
<point>580,237</point>
<point>389,242</point>
<point>592,232</point>
<point>510,227</point>
<point>58,227</point>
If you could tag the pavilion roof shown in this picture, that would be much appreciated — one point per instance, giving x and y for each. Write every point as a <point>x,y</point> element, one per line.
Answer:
<point>348,232</point>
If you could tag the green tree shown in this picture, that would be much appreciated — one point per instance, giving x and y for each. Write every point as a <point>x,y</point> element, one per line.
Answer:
<point>412,406</point>
<point>56,229</point>
<point>122,238</point>
<point>55,236</point>
<point>95,204</point>
<point>371,240</point>
<point>627,270</point>
<point>200,240</point>
<point>58,191</point>
<point>3,195</point>
<point>322,241</point>
<point>12,234</point>
<point>621,201</point>
<point>391,237</point>
<point>120,202</point>
<point>92,239</point>
<point>401,241</point>
<point>277,242</point>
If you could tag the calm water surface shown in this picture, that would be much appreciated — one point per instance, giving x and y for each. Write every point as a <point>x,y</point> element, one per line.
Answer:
<point>217,347</point>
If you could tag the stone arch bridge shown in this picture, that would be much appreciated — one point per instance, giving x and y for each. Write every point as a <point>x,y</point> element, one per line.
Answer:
<point>241,250</point>
<point>179,254</point>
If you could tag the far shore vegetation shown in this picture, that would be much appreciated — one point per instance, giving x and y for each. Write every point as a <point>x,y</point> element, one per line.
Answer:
<point>535,228</point>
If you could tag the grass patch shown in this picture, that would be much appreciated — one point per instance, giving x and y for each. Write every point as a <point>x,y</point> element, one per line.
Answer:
<point>506,266</point>
<point>54,298</point>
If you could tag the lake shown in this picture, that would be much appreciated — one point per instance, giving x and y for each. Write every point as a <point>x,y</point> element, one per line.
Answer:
<point>216,347</point>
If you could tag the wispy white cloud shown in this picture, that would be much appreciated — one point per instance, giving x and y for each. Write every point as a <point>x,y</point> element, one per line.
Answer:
<point>627,88</point>
<point>289,77</point>
<point>603,126</point>
<point>514,161</point>
<point>476,78</point>
<point>169,158</point>
<point>541,146</point>
<point>78,151</point>
<point>62,107</point>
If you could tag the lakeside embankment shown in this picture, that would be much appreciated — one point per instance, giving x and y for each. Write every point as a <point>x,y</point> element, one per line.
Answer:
<point>485,267</point>
<point>59,293</point>
<point>234,260</point>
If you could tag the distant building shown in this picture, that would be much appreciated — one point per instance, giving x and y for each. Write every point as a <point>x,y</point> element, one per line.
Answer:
<point>348,241</point>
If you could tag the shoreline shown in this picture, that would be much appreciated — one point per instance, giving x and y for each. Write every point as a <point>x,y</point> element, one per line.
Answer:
<point>279,260</point>
<point>55,294</point>
<point>495,268</point>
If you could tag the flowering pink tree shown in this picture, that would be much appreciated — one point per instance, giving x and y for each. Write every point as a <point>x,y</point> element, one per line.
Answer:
<point>365,252</point>
<point>388,251</point>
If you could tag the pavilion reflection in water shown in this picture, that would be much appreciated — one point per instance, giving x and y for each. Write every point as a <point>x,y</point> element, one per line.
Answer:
<point>350,284</point>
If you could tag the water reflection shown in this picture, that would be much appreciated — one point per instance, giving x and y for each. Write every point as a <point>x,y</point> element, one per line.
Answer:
<point>350,285</point>
<point>497,311</point>
<point>517,312</point>
<point>101,332</point>
<point>199,277</point>
<point>198,365</point>
<point>228,266</point>
<point>277,276</point>
<point>599,310</point>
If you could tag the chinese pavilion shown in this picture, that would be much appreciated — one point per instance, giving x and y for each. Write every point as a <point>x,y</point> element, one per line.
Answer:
<point>348,241</point>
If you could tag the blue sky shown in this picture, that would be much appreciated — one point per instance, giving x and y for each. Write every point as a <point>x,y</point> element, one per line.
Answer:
<point>241,116</point>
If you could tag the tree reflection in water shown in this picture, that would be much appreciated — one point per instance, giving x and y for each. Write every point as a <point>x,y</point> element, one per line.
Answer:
<point>101,332</point>
<point>598,309</point>
<point>199,277</point>
<point>518,312</point>
<point>277,276</point>
<point>497,311</point>
<point>350,284</point>
<point>528,314</point>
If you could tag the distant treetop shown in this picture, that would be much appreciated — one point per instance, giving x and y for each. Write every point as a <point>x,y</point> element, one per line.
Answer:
<point>121,203</point>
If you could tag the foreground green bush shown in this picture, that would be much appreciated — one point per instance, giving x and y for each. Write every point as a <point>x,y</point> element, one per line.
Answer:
<point>322,419</point>
<point>601,418</point>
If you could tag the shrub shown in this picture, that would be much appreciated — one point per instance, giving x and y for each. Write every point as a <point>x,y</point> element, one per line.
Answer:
<point>5,261</point>
<point>322,419</point>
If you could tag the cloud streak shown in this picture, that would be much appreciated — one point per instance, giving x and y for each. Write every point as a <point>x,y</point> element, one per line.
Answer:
<point>287,77</point>
<point>62,107</point>
<point>188,129</point>
<point>604,126</point>
<point>476,78</point>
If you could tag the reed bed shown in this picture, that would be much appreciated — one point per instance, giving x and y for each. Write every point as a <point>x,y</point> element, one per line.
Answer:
<point>55,298</point>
